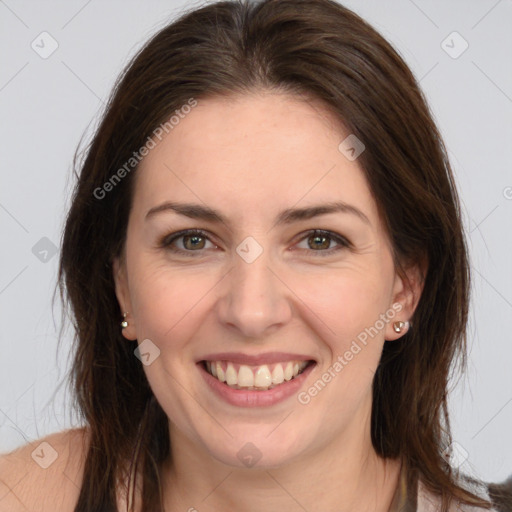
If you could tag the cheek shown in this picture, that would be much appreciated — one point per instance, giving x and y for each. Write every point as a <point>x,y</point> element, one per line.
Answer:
<point>348,302</point>
<point>348,313</point>
<point>167,300</point>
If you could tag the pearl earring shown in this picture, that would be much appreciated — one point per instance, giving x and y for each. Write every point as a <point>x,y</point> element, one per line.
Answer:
<point>124,323</point>
<point>398,326</point>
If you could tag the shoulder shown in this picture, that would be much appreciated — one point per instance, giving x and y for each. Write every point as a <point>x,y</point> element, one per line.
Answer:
<point>44,475</point>
<point>429,502</point>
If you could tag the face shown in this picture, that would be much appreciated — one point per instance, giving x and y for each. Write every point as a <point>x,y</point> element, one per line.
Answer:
<point>258,282</point>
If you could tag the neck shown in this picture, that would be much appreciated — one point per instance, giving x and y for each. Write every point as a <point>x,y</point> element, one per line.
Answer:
<point>342,476</point>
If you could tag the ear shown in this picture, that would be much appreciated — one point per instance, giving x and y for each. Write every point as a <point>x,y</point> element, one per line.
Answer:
<point>407,290</point>
<point>123,297</point>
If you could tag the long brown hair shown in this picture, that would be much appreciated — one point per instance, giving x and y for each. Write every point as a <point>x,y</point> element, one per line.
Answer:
<point>306,47</point>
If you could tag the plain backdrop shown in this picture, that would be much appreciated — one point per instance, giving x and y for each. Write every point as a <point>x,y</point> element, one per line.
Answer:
<point>47,102</point>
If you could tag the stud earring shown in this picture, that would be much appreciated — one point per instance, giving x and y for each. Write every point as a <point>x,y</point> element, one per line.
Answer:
<point>398,326</point>
<point>124,323</point>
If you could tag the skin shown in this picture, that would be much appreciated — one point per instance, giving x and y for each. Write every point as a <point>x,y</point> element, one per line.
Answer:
<point>250,157</point>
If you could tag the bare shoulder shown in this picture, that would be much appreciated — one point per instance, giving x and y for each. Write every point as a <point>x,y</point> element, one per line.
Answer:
<point>44,475</point>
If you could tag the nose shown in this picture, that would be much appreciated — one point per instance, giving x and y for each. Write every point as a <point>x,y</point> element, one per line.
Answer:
<point>254,300</point>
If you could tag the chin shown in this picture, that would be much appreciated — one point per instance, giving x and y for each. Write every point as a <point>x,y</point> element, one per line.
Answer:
<point>259,450</point>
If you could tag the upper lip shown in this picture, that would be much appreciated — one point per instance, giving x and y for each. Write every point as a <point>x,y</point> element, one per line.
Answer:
<point>259,359</point>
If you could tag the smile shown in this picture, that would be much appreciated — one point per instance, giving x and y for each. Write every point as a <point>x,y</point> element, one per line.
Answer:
<point>255,378</point>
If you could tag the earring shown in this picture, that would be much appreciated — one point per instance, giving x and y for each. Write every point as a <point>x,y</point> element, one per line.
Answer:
<point>398,326</point>
<point>124,323</point>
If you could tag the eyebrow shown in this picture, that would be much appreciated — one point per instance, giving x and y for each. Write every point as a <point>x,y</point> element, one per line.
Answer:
<point>288,216</point>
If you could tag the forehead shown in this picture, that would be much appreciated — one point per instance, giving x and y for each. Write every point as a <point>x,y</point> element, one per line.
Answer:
<point>261,150</point>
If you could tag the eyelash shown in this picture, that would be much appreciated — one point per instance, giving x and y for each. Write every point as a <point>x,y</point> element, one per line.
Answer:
<point>167,240</point>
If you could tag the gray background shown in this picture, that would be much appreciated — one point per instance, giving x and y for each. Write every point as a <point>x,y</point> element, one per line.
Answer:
<point>46,104</point>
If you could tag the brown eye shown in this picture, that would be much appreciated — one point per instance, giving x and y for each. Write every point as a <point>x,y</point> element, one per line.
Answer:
<point>320,242</point>
<point>192,241</point>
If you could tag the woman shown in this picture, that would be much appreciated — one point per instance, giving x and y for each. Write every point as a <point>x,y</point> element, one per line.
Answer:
<point>268,275</point>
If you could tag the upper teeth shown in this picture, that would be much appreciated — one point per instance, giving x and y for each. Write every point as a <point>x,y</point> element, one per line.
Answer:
<point>255,376</point>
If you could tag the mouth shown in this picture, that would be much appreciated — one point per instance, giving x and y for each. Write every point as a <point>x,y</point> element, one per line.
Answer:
<point>255,377</point>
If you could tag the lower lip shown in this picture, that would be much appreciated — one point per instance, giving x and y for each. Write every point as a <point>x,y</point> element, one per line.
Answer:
<point>242,398</point>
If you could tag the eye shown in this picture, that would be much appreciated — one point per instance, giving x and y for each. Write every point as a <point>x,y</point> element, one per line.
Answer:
<point>193,240</point>
<point>319,241</point>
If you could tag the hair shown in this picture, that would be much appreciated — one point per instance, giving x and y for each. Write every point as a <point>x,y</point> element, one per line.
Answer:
<point>306,48</point>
